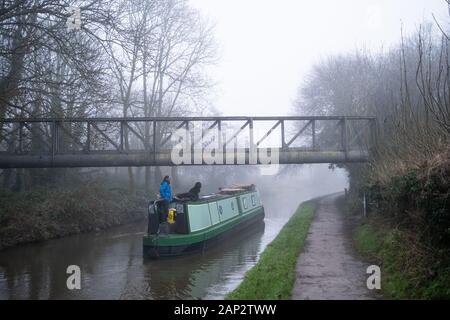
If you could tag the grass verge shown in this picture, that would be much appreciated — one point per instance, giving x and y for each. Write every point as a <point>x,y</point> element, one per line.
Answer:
<point>274,274</point>
<point>408,269</point>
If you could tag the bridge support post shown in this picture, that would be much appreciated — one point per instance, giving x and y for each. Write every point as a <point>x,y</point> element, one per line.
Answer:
<point>88,137</point>
<point>374,133</point>
<point>220,146</point>
<point>20,137</point>
<point>54,145</point>
<point>122,125</point>
<point>252,157</point>
<point>344,136</point>
<point>154,141</point>
<point>313,128</point>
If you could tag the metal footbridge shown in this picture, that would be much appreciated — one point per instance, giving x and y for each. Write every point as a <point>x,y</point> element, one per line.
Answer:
<point>169,141</point>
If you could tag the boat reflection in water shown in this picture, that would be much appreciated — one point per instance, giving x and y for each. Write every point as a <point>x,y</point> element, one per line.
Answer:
<point>210,274</point>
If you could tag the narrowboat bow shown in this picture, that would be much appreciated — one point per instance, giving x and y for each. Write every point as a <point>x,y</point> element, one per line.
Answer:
<point>196,225</point>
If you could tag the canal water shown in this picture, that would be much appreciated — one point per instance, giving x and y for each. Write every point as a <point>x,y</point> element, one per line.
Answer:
<point>112,265</point>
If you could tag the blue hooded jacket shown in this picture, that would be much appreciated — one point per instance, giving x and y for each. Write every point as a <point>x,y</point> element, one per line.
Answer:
<point>165,191</point>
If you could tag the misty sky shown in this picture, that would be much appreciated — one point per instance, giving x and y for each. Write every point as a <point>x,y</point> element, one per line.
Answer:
<point>267,46</point>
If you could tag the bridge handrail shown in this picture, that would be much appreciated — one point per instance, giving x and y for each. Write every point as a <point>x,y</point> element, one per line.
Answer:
<point>207,118</point>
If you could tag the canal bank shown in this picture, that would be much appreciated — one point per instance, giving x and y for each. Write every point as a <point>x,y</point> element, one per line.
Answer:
<point>274,274</point>
<point>42,213</point>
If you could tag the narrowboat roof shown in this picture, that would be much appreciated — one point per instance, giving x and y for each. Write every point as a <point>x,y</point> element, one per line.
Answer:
<point>216,196</point>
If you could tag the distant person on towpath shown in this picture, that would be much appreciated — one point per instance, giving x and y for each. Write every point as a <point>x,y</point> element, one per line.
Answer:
<point>165,191</point>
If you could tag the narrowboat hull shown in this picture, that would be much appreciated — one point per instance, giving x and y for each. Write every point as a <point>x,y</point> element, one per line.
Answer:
<point>156,247</point>
<point>227,224</point>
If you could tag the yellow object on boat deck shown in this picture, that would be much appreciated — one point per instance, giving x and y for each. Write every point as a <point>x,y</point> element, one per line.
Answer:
<point>171,215</point>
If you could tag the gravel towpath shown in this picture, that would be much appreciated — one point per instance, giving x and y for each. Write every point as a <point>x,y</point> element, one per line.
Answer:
<point>328,267</point>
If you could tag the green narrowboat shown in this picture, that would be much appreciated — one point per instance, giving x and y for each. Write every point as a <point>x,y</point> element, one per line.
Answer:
<point>196,225</point>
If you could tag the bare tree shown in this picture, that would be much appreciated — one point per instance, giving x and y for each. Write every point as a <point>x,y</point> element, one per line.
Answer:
<point>161,52</point>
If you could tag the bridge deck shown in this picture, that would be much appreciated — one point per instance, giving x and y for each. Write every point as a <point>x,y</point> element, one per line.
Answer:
<point>163,158</point>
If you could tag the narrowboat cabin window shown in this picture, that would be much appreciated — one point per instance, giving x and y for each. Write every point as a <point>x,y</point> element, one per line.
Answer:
<point>253,200</point>
<point>232,206</point>
<point>244,202</point>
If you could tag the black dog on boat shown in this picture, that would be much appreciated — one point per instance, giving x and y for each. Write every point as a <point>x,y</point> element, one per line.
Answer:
<point>192,194</point>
